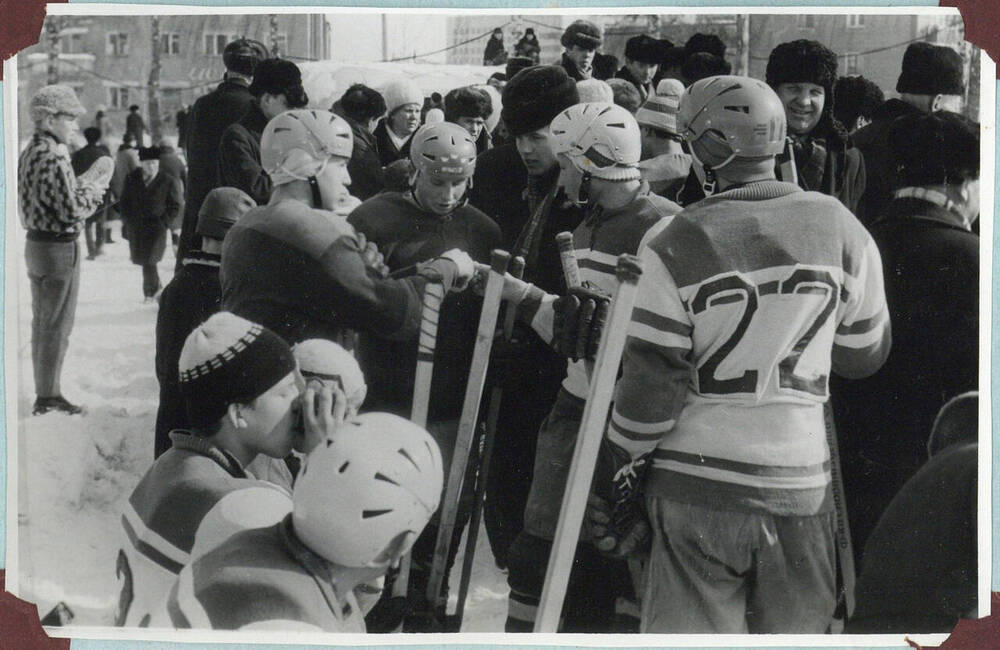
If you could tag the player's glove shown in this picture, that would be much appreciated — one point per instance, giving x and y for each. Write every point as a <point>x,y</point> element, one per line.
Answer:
<point>372,257</point>
<point>616,520</point>
<point>578,321</point>
<point>453,268</point>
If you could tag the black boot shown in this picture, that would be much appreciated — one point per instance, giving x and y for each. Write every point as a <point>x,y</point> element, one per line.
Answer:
<point>57,403</point>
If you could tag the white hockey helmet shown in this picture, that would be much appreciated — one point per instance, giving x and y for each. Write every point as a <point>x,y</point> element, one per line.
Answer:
<point>443,150</point>
<point>378,477</point>
<point>325,360</point>
<point>297,144</point>
<point>727,117</point>
<point>599,138</point>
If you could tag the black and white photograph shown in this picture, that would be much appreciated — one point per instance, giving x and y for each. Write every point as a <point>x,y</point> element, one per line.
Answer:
<point>589,322</point>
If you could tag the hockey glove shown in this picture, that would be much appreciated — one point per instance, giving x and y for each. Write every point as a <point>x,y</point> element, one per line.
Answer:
<point>454,268</point>
<point>372,257</point>
<point>578,320</point>
<point>616,520</point>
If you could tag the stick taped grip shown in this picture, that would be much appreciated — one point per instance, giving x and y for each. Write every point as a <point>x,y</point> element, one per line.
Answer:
<point>499,260</point>
<point>516,267</point>
<point>629,268</point>
<point>567,256</point>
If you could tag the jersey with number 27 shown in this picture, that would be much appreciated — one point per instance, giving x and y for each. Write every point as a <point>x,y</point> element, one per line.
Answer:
<point>747,301</point>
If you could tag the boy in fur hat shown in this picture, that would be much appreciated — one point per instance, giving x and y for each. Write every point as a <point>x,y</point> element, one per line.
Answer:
<point>581,40</point>
<point>803,73</point>
<point>469,108</point>
<point>642,60</point>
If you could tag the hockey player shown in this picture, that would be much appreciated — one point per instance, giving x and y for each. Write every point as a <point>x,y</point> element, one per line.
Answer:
<point>302,271</point>
<point>597,146</point>
<point>360,502</point>
<point>241,390</point>
<point>746,302</point>
<point>410,228</point>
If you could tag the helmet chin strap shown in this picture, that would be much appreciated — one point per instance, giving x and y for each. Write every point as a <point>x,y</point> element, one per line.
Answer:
<point>317,196</point>
<point>583,195</point>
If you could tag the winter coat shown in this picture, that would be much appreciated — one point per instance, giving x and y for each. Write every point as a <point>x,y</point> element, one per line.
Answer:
<point>188,300</point>
<point>931,270</point>
<point>147,211</point>
<point>135,126</point>
<point>126,161</point>
<point>407,235</point>
<point>206,121</point>
<point>644,89</point>
<point>364,166</point>
<point>388,152</point>
<point>572,70</point>
<point>873,142</point>
<point>495,53</point>
<point>528,48</point>
<point>239,163</point>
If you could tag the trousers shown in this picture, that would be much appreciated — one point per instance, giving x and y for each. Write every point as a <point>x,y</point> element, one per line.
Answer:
<point>716,571</point>
<point>150,280</point>
<point>54,272</point>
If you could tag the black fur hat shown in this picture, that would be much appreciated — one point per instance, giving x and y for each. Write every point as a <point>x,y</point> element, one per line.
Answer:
<point>934,148</point>
<point>931,70</point>
<point>362,103</point>
<point>535,95</point>
<point>583,33</point>
<point>705,43</point>
<point>467,102</point>
<point>810,62</point>
<point>644,48</point>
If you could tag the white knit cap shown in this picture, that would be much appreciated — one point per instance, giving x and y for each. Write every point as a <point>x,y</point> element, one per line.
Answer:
<point>659,111</point>
<point>325,360</point>
<point>595,90</point>
<point>434,116</point>
<point>55,99</point>
<point>400,93</point>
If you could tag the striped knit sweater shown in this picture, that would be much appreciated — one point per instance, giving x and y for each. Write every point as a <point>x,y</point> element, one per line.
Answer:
<point>191,499</point>
<point>598,241</point>
<point>746,300</point>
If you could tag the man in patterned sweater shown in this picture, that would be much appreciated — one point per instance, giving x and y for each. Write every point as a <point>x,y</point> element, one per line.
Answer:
<point>747,300</point>
<point>54,204</point>
<point>598,147</point>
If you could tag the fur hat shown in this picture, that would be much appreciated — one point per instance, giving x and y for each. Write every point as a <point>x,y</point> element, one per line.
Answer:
<point>279,77</point>
<point>931,70</point>
<point>149,153</point>
<point>625,94</point>
<point>934,148</point>
<point>705,43</point>
<point>220,210</point>
<point>55,99</point>
<point>243,55</point>
<point>595,90</point>
<point>361,103</point>
<point>660,109</point>
<point>582,33</point>
<point>467,101</point>
<point>856,97</point>
<point>644,48</point>
<point>226,360</point>
<point>536,95</point>
<point>400,93</point>
<point>700,65</point>
<point>515,64</point>
<point>809,62</point>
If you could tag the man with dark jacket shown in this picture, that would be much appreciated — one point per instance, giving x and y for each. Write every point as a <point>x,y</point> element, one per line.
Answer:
<point>515,185</point>
<point>276,88</point>
<point>931,261</point>
<point>931,80</point>
<point>134,124</point>
<point>642,60</point>
<point>188,300</point>
<point>82,159</point>
<point>206,121</point>
<point>581,40</point>
<point>362,107</point>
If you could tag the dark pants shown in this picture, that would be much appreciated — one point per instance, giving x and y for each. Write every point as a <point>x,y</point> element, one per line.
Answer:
<point>732,572</point>
<point>54,271</point>
<point>94,231</point>
<point>150,280</point>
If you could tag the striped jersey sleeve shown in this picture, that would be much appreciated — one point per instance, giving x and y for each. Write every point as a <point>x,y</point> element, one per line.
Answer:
<point>657,362</point>
<point>863,335</point>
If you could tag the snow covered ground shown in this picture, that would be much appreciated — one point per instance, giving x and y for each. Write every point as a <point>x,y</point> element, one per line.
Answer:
<point>74,472</point>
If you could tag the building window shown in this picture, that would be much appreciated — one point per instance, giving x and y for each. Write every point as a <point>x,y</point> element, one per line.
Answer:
<point>807,21</point>
<point>853,64</point>
<point>216,43</point>
<point>72,44</point>
<point>855,20</point>
<point>117,44</point>
<point>118,97</point>
<point>170,44</point>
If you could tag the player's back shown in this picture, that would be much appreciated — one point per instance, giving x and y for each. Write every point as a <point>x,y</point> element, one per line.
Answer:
<point>768,286</point>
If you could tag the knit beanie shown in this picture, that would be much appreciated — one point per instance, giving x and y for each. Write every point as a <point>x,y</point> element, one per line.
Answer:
<point>467,101</point>
<point>325,360</point>
<point>221,208</point>
<point>434,116</point>
<point>595,90</point>
<point>55,99</point>
<point>660,109</point>
<point>931,70</point>
<point>400,93</point>
<point>582,33</point>
<point>644,48</point>
<point>229,360</point>
<point>279,77</point>
<point>625,94</point>
<point>536,95</point>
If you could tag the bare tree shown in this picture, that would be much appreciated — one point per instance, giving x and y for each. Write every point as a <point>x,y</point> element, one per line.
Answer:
<point>53,24</point>
<point>153,89</point>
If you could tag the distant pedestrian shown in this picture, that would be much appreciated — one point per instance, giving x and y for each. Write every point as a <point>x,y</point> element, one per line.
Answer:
<point>528,47</point>
<point>150,202</point>
<point>495,53</point>
<point>135,125</point>
<point>53,206</point>
<point>82,159</point>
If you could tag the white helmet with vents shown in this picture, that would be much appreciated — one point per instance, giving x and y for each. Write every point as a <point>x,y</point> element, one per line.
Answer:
<point>599,138</point>
<point>379,476</point>
<point>297,144</point>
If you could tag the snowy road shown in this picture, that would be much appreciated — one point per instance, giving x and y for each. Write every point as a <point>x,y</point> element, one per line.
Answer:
<point>74,472</point>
